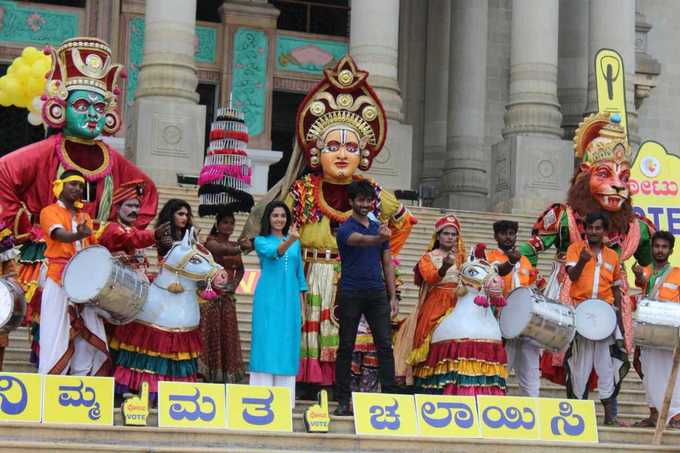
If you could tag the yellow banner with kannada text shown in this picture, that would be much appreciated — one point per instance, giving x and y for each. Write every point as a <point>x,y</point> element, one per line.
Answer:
<point>191,405</point>
<point>84,400</point>
<point>384,414</point>
<point>447,416</point>
<point>257,408</point>
<point>20,397</point>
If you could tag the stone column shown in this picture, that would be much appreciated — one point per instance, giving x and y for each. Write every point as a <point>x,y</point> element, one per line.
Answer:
<point>374,45</point>
<point>166,136</point>
<point>465,180</point>
<point>572,78</point>
<point>437,88</point>
<point>612,26</point>
<point>532,165</point>
<point>249,61</point>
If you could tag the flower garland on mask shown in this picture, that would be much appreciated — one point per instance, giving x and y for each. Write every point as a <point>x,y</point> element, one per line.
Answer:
<point>310,206</point>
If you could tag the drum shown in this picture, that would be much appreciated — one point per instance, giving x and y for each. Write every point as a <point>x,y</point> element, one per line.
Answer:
<point>530,314</point>
<point>12,305</point>
<point>94,276</point>
<point>656,324</point>
<point>595,319</point>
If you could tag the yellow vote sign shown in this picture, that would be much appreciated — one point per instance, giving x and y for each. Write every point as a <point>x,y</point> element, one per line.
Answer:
<point>384,414</point>
<point>567,420</point>
<point>447,416</point>
<point>20,397</point>
<point>86,400</point>
<point>259,408</point>
<point>655,189</point>
<point>508,417</point>
<point>191,405</point>
<point>611,87</point>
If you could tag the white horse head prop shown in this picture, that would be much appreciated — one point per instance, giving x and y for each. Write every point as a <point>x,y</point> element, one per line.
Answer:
<point>472,316</point>
<point>172,300</point>
<point>480,276</point>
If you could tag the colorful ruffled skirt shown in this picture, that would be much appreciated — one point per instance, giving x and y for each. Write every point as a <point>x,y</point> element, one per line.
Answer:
<point>143,353</point>
<point>31,259</point>
<point>464,367</point>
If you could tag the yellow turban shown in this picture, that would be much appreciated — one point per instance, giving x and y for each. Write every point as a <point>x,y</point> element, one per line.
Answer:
<point>58,187</point>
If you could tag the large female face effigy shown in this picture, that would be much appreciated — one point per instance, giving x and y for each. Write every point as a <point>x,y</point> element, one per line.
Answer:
<point>341,124</point>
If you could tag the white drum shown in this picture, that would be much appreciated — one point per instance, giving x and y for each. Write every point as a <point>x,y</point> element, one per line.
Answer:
<point>530,314</point>
<point>595,319</point>
<point>94,276</point>
<point>12,305</point>
<point>656,324</point>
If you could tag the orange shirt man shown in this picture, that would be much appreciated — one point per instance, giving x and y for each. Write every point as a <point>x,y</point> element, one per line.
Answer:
<point>595,273</point>
<point>72,337</point>
<point>660,282</point>
<point>523,354</point>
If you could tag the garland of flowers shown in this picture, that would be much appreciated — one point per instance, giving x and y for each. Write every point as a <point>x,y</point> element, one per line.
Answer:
<point>310,206</point>
<point>91,175</point>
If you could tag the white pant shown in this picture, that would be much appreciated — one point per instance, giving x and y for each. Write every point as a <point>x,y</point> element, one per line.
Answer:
<point>273,380</point>
<point>55,328</point>
<point>524,357</point>
<point>656,367</point>
<point>586,355</point>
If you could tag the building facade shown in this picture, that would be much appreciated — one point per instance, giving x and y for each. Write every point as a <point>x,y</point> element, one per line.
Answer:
<point>482,96</point>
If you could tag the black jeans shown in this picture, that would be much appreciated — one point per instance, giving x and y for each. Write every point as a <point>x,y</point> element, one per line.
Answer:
<point>376,307</point>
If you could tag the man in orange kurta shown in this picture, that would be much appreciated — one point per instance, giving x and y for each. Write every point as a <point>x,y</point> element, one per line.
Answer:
<point>524,354</point>
<point>72,338</point>
<point>595,272</point>
<point>660,282</point>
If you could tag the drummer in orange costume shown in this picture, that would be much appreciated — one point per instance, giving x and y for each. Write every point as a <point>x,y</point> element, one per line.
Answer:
<point>68,230</point>
<point>516,270</point>
<point>661,282</point>
<point>595,272</point>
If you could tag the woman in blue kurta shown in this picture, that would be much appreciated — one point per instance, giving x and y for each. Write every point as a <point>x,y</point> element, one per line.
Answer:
<point>275,351</point>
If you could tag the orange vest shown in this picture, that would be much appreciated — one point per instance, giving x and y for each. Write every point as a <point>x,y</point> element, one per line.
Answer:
<point>598,276</point>
<point>521,275</point>
<point>58,253</point>
<point>666,288</point>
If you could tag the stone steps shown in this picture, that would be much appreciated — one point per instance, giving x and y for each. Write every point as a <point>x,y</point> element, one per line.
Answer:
<point>27,437</point>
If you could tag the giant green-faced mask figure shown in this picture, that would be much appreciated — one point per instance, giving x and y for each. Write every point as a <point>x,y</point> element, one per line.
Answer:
<point>85,114</point>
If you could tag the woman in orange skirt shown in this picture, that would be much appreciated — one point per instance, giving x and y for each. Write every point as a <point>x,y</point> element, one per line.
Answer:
<point>437,275</point>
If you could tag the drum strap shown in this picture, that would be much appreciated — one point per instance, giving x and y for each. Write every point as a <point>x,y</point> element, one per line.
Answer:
<point>596,275</point>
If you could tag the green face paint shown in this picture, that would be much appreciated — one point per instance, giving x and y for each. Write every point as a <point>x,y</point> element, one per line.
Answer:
<point>85,114</point>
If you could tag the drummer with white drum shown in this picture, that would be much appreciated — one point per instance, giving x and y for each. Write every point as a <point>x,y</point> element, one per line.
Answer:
<point>67,230</point>
<point>523,353</point>
<point>595,272</point>
<point>660,282</point>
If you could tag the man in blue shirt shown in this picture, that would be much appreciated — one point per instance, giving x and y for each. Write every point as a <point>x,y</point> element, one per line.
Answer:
<point>366,270</point>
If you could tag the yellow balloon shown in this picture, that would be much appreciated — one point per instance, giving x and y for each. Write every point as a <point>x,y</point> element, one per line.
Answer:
<point>30,54</point>
<point>40,67</point>
<point>4,99</point>
<point>36,86</point>
<point>23,70</point>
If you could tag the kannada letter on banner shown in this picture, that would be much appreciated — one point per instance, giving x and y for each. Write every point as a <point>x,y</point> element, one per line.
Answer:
<point>654,183</point>
<point>191,405</point>
<point>447,416</point>
<point>258,408</point>
<point>20,397</point>
<point>78,400</point>
<point>384,414</point>
<point>567,420</point>
<point>508,417</point>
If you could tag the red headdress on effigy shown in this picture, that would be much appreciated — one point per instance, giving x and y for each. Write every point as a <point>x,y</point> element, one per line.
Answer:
<point>82,64</point>
<point>343,99</point>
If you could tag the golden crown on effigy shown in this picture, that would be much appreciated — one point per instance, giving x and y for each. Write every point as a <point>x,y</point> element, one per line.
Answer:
<point>82,63</point>
<point>343,99</point>
<point>601,137</point>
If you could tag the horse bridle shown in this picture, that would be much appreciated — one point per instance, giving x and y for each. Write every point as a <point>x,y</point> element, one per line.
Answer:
<point>179,269</point>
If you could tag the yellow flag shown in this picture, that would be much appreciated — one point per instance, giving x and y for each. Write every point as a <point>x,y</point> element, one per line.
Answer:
<point>611,84</point>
